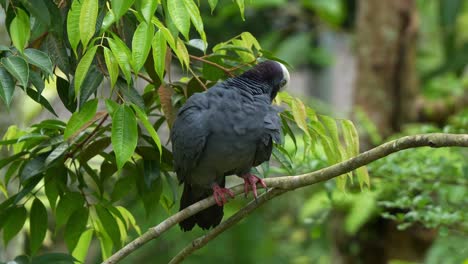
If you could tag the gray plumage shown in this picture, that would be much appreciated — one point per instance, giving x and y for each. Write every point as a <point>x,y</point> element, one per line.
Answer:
<point>224,131</point>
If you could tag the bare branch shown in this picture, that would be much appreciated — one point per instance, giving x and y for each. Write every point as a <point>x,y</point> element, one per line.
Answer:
<point>286,183</point>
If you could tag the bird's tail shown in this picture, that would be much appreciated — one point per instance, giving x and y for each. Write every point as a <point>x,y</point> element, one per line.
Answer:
<point>205,219</point>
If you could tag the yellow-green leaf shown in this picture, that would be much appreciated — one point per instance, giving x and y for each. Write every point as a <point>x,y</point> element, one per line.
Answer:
<point>124,134</point>
<point>144,120</point>
<point>73,22</point>
<point>241,5</point>
<point>20,29</point>
<point>195,17</point>
<point>159,53</point>
<point>363,176</point>
<point>182,53</point>
<point>120,7</point>
<point>82,247</point>
<point>88,17</point>
<point>299,113</point>
<point>213,4</point>
<point>350,136</point>
<point>123,55</point>
<point>79,119</point>
<point>112,66</point>
<point>147,9</point>
<point>82,68</point>
<point>179,16</point>
<point>141,44</point>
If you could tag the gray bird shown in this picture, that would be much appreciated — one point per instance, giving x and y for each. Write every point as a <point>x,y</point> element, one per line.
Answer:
<point>224,131</point>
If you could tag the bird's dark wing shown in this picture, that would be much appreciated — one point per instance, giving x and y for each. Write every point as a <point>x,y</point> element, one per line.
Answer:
<point>272,128</point>
<point>189,134</point>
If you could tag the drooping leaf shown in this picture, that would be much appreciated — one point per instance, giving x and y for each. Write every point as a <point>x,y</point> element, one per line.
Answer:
<point>144,120</point>
<point>88,18</point>
<point>363,176</point>
<point>149,195</point>
<point>112,66</point>
<point>213,4</point>
<point>75,226</point>
<point>195,17</point>
<point>13,223</point>
<point>20,29</point>
<point>36,81</point>
<point>38,9</point>
<point>73,23</point>
<point>66,94</point>
<point>7,86</point>
<point>17,67</point>
<point>83,67</point>
<point>351,138</point>
<point>33,167</point>
<point>299,113</point>
<point>122,54</point>
<point>94,149</point>
<point>37,225</point>
<point>241,5</point>
<point>124,134</point>
<point>165,94</point>
<point>130,219</point>
<point>90,84</point>
<point>179,16</point>
<point>40,99</point>
<point>39,59</point>
<point>78,119</point>
<point>58,52</point>
<point>182,53</point>
<point>68,203</point>
<point>141,44</point>
<point>120,7</point>
<point>109,224</point>
<point>159,53</point>
<point>82,247</point>
<point>147,8</point>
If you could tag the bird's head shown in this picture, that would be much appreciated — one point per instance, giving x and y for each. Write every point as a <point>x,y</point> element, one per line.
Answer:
<point>273,74</point>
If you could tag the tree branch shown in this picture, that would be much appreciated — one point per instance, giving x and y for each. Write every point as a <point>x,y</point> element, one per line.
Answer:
<point>283,184</point>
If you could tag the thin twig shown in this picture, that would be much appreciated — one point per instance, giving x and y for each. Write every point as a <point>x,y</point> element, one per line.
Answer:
<point>225,70</point>
<point>286,183</point>
<point>198,79</point>
<point>80,145</point>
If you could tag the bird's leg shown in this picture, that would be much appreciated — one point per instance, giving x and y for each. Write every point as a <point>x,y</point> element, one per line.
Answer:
<point>219,193</point>
<point>251,180</point>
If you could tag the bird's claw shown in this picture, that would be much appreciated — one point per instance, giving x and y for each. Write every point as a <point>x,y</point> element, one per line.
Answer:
<point>250,180</point>
<point>219,193</point>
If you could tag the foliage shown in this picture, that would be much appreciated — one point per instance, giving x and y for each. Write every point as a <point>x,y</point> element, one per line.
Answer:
<point>85,170</point>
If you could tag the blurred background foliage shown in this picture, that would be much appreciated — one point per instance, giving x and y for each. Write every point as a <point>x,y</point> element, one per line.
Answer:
<point>417,197</point>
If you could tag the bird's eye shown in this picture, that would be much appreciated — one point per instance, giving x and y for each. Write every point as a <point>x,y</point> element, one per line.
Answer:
<point>282,83</point>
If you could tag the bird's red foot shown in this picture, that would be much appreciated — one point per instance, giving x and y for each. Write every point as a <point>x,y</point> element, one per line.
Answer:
<point>251,180</point>
<point>219,193</point>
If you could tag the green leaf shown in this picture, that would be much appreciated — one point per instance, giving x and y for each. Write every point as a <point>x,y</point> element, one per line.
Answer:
<point>7,86</point>
<point>351,138</point>
<point>144,120</point>
<point>79,119</point>
<point>361,211</point>
<point>141,44</point>
<point>129,218</point>
<point>195,17</point>
<point>33,167</point>
<point>53,258</point>
<point>38,9</point>
<point>51,186</point>
<point>363,176</point>
<point>105,242</point>
<point>120,7</point>
<point>241,5</point>
<point>13,223</point>
<point>122,54</point>
<point>82,247</point>
<point>40,99</point>
<point>88,18</point>
<point>112,66</point>
<point>149,195</point>
<point>299,113</point>
<point>83,67</point>
<point>68,203</point>
<point>75,226</point>
<point>20,29</point>
<point>17,67</point>
<point>37,225</point>
<point>147,9</point>
<point>213,4</point>
<point>73,23</point>
<point>58,52</point>
<point>179,16</point>
<point>57,153</point>
<point>39,59</point>
<point>109,224</point>
<point>124,134</point>
<point>94,149</point>
<point>130,94</point>
<point>90,84</point>
<point>182,53</point>
<point>159,53</point>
